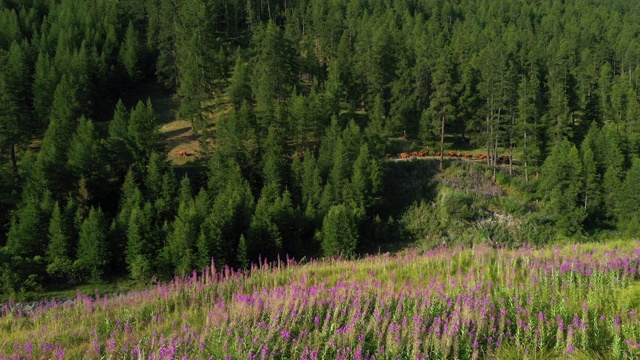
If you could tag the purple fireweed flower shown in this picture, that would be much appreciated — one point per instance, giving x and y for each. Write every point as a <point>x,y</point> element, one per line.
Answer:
<point>28,348</point>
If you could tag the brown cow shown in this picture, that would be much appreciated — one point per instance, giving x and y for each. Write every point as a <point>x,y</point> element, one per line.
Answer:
<point>414,154</point>
<point>450,153</point>
<point>468,156</point>
<point>182,152</point>
<point>403,155</point>
<point>504,159</point>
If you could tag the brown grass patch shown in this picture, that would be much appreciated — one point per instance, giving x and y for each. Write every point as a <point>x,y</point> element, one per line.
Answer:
<point>179,136</point>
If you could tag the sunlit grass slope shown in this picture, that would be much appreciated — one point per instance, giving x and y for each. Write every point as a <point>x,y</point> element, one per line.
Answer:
<point>577,301</point>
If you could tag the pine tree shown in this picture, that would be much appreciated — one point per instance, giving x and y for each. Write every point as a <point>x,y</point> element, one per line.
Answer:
<point>243,253</point>
<point>628,208</point>
<point>194,58</point>
<point>560,186</point>
<point>118,145</point>
<point>339,232</point>
<point>132,53</point>
<point>45,80</point>
<point>27,236</point>
<point>142,130</point>
<point>53,156</point>
<point>140,251</point>
<point>591,192</point>
<point>274,165</point>
<point>164,33</point>
<point>60,247</point>
<point>85,153</point>
<point>119,125</point>
<point>526,125</point>
<point>441,109</point>
<point>15,111</point>
<point>265,233</point>
<point>239,89</point>
<point>275,72</point>
<point>333,89</point>
<point>181,244</point>
<point>93,246</point>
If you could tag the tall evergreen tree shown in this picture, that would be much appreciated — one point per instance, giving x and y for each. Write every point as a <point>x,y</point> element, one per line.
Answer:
<point>275,72</point>
<point>142,130</point>
<point>629,201</point>
<point>527,124</point>
<point>339,234</point>
<point>441,109</point>
<point>61,248</point>
<point>560,186</point>
<point>15,111</point>
<point>132,53</point>
<point>239,89</point>
<point>93,246</point>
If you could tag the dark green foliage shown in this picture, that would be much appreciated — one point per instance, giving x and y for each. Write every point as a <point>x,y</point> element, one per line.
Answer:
<point>240,87</point>
<point>27,234</point>
<point>132,53</point>
<point>274,73</point>
<point>15,111</point>
<point>93,246</point>
<point>53,156</point>
<point>243,253</point>
<point>441,107</point>
<point>560,187</point>
<point>142,131</point>
<point>60,251</point>
<point>339,232</point>
<point>628,208</point>
<point>85,154</point>
<point>296,133</point>
<point>227,220</point>
<point>141,242</point>
<point>44,86</point>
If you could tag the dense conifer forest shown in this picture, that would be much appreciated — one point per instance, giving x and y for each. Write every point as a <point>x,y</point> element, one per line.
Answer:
<point>297,104</point>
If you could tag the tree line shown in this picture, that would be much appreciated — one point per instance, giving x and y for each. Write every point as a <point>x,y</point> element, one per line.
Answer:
<point>314,91</point>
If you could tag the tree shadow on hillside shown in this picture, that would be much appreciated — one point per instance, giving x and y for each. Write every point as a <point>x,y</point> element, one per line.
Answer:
<point>408,182</point>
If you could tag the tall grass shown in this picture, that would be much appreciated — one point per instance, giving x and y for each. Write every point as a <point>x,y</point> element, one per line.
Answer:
<point>468,303</point>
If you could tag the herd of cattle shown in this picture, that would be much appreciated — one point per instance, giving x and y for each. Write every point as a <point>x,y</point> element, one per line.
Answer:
<point>504,159</point>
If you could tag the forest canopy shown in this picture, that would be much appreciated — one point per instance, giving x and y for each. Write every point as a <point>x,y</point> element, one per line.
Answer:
<point>309,97</point>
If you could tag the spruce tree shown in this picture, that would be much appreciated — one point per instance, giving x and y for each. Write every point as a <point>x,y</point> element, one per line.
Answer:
<point>132,53</point>
<point>239,89</point>
<point>628,208</point>
<point>560,186</point>
<point>142,131</point>
<point>60,248</point>
<point>15,111</point>
<point>339,234</point>
<point>441,109</point>
<point>93,246</point>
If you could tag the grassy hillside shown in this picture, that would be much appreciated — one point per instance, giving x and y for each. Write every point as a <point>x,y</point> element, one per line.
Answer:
<point>577,301</point>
